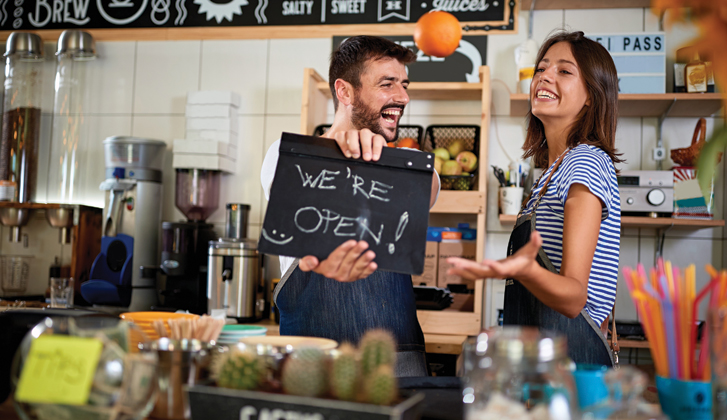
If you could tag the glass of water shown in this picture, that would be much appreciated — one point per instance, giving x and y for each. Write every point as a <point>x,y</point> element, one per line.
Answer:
<point>61,292</point>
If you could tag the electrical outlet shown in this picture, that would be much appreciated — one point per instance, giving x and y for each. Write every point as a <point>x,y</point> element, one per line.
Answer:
<point>659,153</point>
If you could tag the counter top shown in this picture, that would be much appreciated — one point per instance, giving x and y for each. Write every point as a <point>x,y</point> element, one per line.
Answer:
<point>434,343</point>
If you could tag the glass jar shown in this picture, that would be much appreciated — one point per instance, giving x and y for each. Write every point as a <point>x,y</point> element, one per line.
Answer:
<point>69,141</point>
<point>21,117</point>
<point>518,373</point>
<point>625,387</point>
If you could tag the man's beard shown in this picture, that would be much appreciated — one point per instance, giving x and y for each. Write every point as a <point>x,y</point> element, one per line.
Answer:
<point>364,116</point>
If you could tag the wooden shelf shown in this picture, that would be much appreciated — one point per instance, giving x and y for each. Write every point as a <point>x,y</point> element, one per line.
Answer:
<point>460,202</point>
<point>432,90</point>
<point>585,4</point>
<point>647,222</point>
<point>646,105</point>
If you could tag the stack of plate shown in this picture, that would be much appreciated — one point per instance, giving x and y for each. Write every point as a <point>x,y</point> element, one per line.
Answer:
<point>144,320</point>
<point>231,334</point>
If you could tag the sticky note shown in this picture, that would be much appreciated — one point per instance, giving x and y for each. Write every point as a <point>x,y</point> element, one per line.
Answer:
<point>59,369</point>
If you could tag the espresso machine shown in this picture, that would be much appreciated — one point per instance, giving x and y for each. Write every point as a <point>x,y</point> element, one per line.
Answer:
<point>235,282</point>
<point>124,272</point>
<point>184,244</point>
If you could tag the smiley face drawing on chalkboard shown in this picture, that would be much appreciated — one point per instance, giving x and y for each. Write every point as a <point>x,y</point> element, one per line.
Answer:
<point>280,241</point>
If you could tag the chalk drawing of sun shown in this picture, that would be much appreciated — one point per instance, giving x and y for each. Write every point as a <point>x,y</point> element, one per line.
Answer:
<point>280,241</point>
<point>221,11</point>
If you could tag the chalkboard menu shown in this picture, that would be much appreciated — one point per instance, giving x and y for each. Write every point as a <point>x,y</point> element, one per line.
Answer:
<point>96,14</point>
<point>320,199</point>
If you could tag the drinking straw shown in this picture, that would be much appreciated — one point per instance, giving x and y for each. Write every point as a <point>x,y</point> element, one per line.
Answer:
<point>678,321</point>
<point>698,373</point>
<point>686,300</point>
<point>671,345</point>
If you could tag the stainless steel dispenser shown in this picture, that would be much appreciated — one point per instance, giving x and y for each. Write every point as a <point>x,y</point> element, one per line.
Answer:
<point>235,279</point>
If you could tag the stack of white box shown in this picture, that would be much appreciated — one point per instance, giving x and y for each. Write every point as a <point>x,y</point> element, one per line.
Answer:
<point>212,127</point>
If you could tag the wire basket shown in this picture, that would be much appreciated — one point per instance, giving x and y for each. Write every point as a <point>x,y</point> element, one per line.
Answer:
<point>443,136</point>
<point>457,182</point>
<point>411,131</point>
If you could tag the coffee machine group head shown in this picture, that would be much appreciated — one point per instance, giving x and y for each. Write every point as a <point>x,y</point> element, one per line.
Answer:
<point>184,244</point>
<point>132,214</point>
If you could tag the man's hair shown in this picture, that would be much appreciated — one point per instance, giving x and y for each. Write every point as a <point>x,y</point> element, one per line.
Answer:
<point>349,59</point>
<point>596,122</point>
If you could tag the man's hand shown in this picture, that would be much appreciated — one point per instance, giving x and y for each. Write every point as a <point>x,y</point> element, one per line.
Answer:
<point>355,143</point>
<point>349,262</point>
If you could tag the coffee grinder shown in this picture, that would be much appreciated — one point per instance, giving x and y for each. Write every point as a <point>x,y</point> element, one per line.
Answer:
<point>132,213</point>
<point>184,244</point>
<point>235,282</point>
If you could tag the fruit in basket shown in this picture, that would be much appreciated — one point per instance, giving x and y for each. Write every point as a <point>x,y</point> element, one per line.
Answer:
<point>377,348</point>
<point>438,162</point>
<point>344,373</point>
<point>380,387</point>
<point>240,370</point>
<point>467,160</point>
<point>451,167</point>
<point>390,144</point>
<point>304,373</point>
<point>441,153</point>
<point>408,142</point>
<point>456,147</point>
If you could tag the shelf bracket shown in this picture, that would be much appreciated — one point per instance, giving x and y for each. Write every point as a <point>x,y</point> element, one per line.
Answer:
<point>659,140</point>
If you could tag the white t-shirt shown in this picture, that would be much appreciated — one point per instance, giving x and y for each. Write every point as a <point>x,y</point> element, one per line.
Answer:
<point>267,173</point>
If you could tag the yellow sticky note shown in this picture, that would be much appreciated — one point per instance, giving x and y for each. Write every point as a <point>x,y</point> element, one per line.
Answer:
<point>59,369</point>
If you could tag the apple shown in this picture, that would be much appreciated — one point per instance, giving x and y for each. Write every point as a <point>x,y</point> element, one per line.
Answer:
<point>456,147</point>
<point>451,167</point>
<point>467,160</point>
<point>438,162</point>
<point>441,153</point>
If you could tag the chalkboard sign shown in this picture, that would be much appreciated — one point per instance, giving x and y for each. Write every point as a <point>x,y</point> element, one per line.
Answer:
<point>320,199</point>
<point>98,14</point>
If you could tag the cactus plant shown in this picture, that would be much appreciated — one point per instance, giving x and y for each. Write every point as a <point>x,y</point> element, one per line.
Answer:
<point>377,348</point>
<point>380,386</point>
<point>304,373</point>
<point>239,370</point>
<point>344,373</point>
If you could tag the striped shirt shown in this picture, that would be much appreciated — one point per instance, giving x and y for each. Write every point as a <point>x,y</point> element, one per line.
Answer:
<point>592,167</point>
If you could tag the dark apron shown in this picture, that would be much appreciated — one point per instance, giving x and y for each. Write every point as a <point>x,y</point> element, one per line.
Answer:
<point>586,343</point>
<point>315,306</point>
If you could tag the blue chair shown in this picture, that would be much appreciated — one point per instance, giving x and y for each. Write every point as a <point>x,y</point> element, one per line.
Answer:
<point>111,272</point>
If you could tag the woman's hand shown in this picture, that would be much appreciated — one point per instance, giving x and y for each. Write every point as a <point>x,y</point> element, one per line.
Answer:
<point>519,265</point>
<point>349,262</point>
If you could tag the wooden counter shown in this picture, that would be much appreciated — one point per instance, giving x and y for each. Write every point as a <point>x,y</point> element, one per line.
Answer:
<point>434,343</point>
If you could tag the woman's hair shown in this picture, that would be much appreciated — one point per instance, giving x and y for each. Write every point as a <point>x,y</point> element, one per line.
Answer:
<point>596,122</point>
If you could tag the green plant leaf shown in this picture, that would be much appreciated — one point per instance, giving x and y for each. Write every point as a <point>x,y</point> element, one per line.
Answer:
<point>707,162</point>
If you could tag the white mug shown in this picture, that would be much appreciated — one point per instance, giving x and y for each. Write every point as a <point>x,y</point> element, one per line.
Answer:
<point>511,199</point>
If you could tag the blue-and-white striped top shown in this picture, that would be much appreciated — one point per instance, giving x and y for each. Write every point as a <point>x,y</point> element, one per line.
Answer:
<point>592,167</point>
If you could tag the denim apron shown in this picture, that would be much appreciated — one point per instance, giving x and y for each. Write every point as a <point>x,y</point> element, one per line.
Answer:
<point>313,305</point>
<point>586,343</point>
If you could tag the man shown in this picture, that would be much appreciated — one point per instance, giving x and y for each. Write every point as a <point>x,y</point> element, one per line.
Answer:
<point>344,295</point>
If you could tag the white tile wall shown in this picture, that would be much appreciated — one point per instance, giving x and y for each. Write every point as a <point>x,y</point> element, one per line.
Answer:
<point>165,72</point>
<point>140,89</point>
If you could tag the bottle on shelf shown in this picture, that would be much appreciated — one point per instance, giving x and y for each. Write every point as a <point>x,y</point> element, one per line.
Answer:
<point>695,75</point>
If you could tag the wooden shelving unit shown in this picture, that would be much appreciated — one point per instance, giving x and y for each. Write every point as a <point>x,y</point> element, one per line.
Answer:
<point>314,111</point>
<point>646,104</point>
<point>647,222</point>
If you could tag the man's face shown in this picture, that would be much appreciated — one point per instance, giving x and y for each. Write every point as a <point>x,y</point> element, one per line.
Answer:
<point>379,103</point>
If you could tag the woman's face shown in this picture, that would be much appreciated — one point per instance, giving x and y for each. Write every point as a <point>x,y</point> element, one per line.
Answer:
<point>558,91</point>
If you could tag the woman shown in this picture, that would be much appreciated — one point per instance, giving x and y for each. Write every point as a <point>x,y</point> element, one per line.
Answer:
<point>562,264</point>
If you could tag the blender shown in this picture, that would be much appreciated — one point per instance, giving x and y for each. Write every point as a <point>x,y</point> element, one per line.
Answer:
<point>184,244</point>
